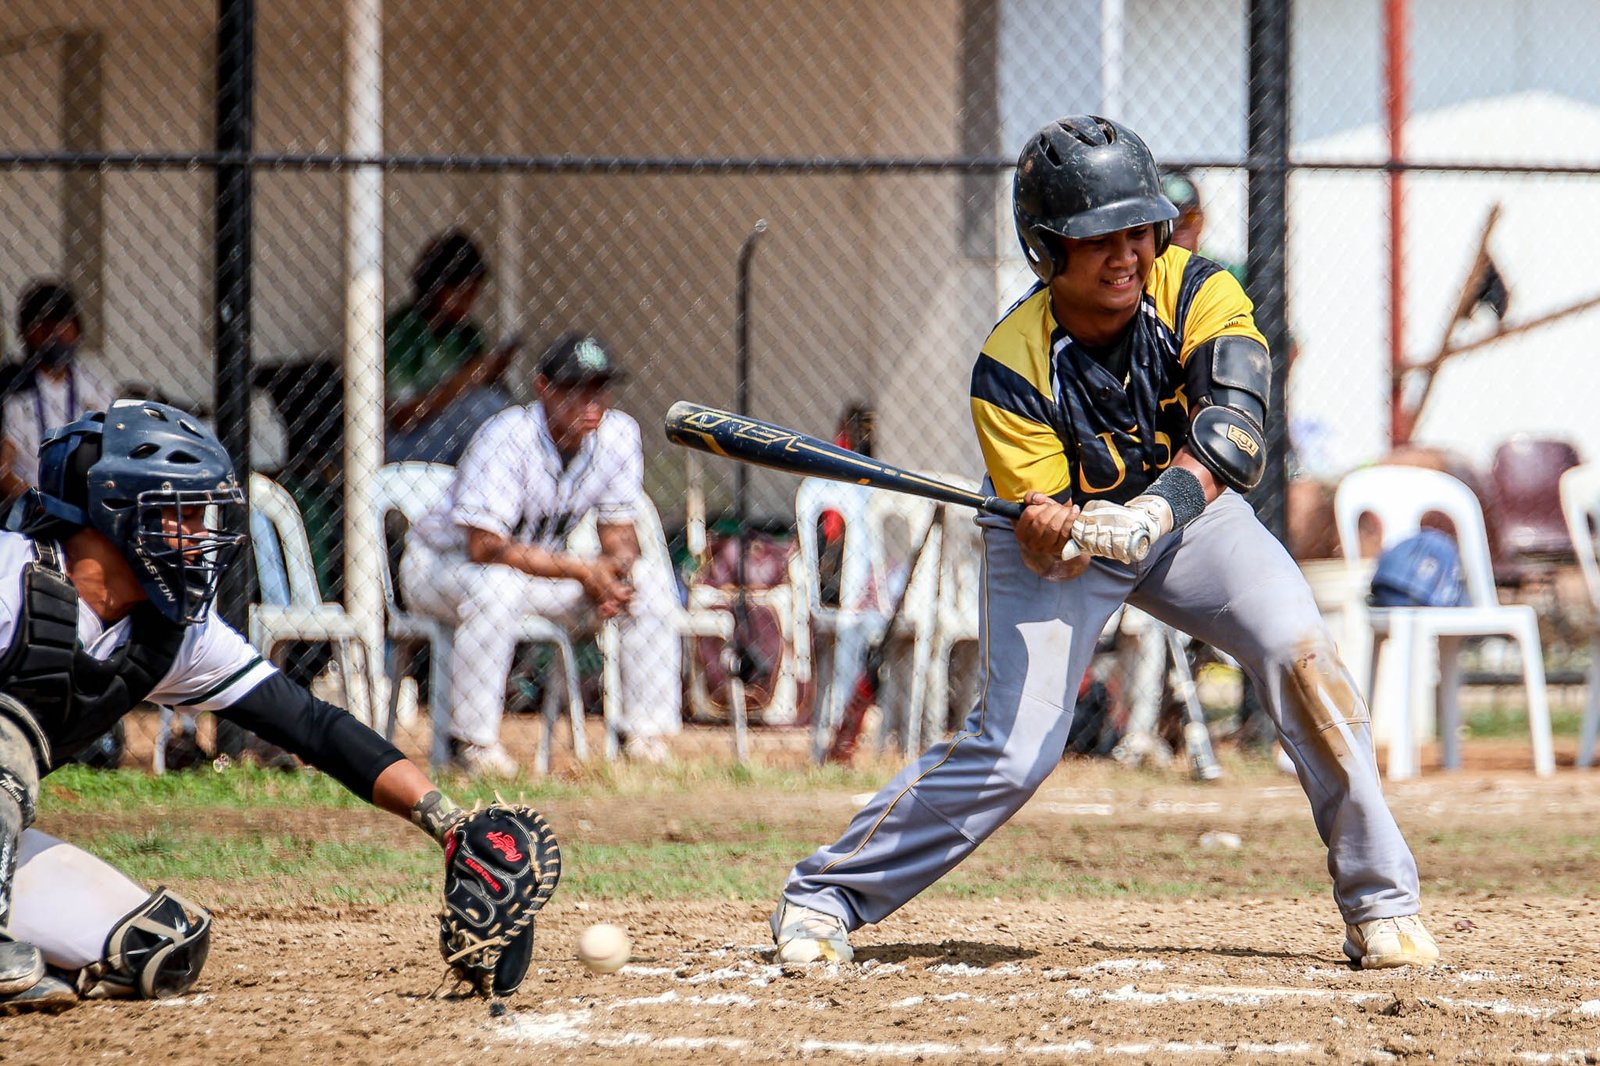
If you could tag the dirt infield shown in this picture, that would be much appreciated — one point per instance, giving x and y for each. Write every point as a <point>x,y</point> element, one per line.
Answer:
<point>1177,951</point>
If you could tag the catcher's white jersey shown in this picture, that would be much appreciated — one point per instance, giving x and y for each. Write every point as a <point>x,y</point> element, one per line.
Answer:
<point>512,481</point>
<point>215,665</point>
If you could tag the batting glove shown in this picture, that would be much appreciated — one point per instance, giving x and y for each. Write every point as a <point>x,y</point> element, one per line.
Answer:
<point>1123,532</point>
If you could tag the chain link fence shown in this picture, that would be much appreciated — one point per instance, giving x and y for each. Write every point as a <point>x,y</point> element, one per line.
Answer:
<point>242,200</point>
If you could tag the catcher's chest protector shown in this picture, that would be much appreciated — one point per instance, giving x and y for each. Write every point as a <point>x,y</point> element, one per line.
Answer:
<point>73,696</point>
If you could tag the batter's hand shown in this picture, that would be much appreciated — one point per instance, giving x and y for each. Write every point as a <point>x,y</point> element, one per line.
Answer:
<point>1045,527</point>
<point>1123,533</point>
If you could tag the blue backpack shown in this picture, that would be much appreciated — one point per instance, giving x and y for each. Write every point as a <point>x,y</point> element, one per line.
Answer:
<point>1420,571</point>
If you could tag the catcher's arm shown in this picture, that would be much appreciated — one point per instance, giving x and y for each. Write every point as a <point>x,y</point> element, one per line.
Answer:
<point>405,790</point>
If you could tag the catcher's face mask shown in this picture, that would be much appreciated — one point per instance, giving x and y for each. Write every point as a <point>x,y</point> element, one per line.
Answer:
<point>182,543</point>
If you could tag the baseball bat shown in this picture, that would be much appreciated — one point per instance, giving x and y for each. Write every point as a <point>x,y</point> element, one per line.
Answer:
<point>750,440</point>
<point>1203,763</point>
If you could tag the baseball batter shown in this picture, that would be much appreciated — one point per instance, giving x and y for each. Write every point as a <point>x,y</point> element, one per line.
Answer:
<point>1122,398</point>
<point>104,602</point>
<point>495,551</point>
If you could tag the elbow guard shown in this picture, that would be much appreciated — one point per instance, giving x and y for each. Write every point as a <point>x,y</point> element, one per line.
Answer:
<point>1226,433</point>
<point>1231,446</point>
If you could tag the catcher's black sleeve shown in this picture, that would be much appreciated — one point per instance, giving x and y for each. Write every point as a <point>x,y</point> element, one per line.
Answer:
<point>325,736</point>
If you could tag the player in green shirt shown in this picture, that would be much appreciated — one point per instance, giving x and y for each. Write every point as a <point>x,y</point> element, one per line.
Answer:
<point>440,373</point>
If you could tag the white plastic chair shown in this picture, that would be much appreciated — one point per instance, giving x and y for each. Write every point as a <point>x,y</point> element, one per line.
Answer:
<point>305,616</point>
<point>793,672</point>
<point>956,609</point>
<point>413,489</point>
<point>1580,505</point>
<point>918,621</point>
<point>1424,639</point>
<point>855,622</point>
<point>692,621</point>
<point>865,600</point>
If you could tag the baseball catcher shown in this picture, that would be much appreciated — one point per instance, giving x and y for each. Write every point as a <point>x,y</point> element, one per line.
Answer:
<point>104,602</point>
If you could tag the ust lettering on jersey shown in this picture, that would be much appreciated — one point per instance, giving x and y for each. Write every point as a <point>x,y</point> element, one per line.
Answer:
<point>1051,419</point>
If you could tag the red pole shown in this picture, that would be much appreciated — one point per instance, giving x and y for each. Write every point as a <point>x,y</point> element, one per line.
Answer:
<point>1395,26</point>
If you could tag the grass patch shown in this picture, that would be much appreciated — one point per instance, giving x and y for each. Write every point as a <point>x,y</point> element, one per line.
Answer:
<point>287,869</point>
<point>1503,721</point>
<point>279,867</point>
<point>78,789</point>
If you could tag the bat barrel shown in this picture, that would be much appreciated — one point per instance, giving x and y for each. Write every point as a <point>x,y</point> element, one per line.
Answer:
<point>751,440</point>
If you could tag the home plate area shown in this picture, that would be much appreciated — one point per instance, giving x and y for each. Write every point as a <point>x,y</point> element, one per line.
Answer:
<point>1241,980</point>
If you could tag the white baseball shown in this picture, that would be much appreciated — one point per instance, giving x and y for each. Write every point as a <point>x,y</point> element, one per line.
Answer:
<point>604,948</point>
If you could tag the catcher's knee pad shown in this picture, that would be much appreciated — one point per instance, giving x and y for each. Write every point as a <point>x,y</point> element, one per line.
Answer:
<point>20,744</point>
<point>23,750</point>
<point>157,950</point>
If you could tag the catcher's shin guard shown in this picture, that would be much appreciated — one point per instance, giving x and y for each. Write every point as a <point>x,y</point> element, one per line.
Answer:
<point>20,749</point>
<point>23,982</point>
<point>157,950</point>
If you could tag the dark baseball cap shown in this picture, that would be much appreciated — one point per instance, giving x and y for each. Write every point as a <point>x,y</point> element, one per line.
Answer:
<point>1179,187</point>
<point>578,359</point>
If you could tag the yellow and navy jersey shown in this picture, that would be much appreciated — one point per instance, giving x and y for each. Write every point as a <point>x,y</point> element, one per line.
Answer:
<point>1052,419</point>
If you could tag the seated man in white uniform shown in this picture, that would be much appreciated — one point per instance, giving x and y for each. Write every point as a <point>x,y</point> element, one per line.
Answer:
<point>104,602</point>
<point>496,551</point>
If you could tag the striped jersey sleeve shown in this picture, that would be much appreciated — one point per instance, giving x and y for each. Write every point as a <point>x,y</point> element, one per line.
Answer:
<point>1202,302</point>
<point>215,667</point>
<point>1013,404</point>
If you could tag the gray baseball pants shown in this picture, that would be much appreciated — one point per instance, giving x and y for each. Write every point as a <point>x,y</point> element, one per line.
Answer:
<point>1226,581</point>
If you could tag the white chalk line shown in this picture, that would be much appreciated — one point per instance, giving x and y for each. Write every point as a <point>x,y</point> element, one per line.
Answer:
<point>575,1028</point>
<point>1227,996</point>
<point>568,1029</point>
<point>758,973</point>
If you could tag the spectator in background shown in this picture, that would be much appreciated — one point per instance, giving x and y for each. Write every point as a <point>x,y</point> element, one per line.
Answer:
<point>1181,188</point>
<point>49,388</point>
<point>496,551</point>
<point>440,374</point>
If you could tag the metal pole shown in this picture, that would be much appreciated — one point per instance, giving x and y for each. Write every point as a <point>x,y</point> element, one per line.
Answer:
<point>363,328</point>
<point>235,105</point>
<point>743,661</point>
<point>1112,23</point>
<point>1268,234</point>
<point>1396,19</point>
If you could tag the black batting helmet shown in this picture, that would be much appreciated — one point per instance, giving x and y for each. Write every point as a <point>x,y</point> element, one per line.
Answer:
<point>130,473</point>
<point>1084,176</point>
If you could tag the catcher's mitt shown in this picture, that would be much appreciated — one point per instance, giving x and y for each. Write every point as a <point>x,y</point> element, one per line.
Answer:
<point>501,864</point>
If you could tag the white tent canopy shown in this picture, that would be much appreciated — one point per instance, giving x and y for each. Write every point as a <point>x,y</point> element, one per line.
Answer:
<point>1546,245</point>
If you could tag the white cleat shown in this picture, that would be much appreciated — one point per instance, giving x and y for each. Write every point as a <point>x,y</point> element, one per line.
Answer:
<point>805,935</point>
<point>651,751</point>
<point>481,760</point>
<point>1386,942</point>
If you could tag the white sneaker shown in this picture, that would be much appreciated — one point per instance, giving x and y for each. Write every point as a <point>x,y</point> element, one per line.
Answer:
<point>650,750</point>
<point>1385,942</point>
<point>805,935</point>
<point>480,760</point>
